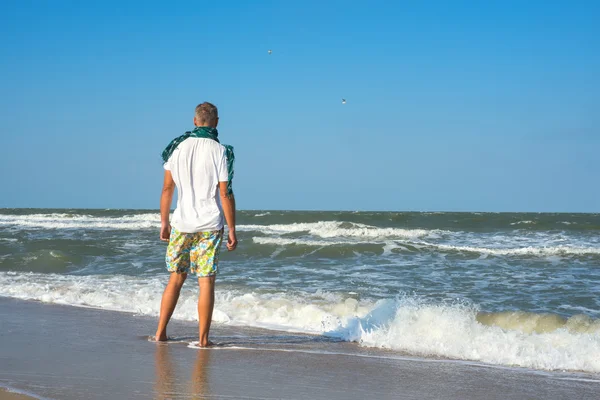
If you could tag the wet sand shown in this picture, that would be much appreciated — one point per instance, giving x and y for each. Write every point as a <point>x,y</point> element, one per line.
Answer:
<point>6,395</point>
<point>61,352</point>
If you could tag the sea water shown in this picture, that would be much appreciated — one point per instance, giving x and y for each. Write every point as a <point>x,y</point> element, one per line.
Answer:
<point>501,288</point>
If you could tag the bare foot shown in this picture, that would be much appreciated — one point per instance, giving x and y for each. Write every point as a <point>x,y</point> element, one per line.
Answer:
<point>207,344</point>
<point>160,337</point>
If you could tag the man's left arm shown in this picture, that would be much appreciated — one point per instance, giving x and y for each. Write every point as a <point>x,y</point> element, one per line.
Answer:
<point>165,206</point>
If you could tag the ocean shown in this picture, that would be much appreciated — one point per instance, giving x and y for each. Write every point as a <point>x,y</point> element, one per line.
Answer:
<point>510,289</point>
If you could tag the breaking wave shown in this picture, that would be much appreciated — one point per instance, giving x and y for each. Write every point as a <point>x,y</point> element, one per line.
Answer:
<point>408,324</point>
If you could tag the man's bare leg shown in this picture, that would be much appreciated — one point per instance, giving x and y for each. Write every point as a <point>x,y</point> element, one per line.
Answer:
<point>168,303</point>
<point>206,302</point>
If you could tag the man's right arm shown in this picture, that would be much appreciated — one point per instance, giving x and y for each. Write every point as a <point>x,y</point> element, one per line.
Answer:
<point>165,206</point>
<point>228,203</point>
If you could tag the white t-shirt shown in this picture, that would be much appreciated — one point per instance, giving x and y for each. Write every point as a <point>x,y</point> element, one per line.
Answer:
<point>197,166</point>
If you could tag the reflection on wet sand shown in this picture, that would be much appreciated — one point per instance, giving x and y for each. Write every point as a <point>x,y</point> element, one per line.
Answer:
<point>169,384</point>
<point>199,379</point>
<point>165,374</point>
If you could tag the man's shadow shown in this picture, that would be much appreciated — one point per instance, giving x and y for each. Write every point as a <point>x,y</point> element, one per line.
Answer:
<point>170,385</point>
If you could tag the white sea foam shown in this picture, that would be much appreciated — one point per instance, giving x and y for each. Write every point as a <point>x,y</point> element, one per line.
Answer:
<point>523,223</point>
<point>278,241</point>
<point>323,229</point>
<point>529,250</point>
<point>318,234</point>
<point>331,229</point>
<point>70,221</point>
<point>453,331</point>
<point>313,314</point>
<point>333,233</point>
<point>410,325</point>
<point>388,245</point>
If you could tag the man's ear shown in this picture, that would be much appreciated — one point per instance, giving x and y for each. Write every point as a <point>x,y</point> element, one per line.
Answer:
<point>195,123</point>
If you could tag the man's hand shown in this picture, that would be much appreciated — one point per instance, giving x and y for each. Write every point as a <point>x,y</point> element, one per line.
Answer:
<point>231,241</point>
<point>165,232</point>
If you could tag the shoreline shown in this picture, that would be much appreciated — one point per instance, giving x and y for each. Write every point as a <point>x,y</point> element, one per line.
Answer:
<point>350,349</point>
<point>9,394</point>
<point>107,354</point>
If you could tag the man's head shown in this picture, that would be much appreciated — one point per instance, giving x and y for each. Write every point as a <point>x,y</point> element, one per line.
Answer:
<point>206,115</point>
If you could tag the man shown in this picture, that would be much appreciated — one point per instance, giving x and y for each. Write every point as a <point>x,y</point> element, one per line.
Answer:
<point>201,169</point>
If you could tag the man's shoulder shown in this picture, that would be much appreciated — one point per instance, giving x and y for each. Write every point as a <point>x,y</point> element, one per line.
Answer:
<point>215,147</point>
<point>207,144</point>
<point>219,147</point>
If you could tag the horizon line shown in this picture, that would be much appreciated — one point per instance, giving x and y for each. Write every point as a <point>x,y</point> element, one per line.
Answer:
<point>314,210</point>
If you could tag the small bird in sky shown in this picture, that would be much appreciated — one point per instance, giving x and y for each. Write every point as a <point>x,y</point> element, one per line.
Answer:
<point>270,51</point>
<point>343,101</point>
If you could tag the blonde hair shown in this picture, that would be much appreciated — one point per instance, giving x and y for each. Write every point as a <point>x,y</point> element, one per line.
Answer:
<point>207,114</point>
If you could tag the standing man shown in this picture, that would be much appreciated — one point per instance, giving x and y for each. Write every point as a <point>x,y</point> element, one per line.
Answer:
<point>202,169</point>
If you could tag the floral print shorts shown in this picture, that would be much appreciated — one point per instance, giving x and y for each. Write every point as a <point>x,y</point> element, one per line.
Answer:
<point>196,253</point>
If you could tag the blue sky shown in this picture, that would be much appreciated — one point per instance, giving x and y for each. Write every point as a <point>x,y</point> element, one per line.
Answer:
<point>451,105</point>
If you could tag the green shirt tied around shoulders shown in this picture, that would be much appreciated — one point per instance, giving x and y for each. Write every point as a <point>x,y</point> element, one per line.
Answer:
<point>204,132</point>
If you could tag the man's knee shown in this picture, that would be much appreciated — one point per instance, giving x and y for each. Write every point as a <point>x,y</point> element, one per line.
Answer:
<point>177,279</point>
<point>206,281</point>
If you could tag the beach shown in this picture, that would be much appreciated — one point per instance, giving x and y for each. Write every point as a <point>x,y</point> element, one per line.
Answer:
<point>61,352</point>
<point>7,395</point>
<point>332,305</point>
<point>429,227</point>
